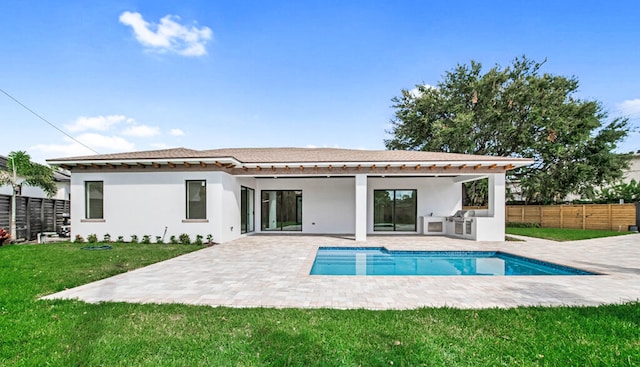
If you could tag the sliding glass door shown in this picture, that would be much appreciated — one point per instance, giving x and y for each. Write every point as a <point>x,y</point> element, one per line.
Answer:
<point>281,210</point>
<point>394,210</point>
<point>247,200</point>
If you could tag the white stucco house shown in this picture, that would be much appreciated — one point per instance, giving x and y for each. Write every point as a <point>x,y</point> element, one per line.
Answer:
<point>230,193</point>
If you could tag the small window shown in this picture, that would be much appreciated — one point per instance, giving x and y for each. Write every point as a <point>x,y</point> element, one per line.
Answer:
<point>94,199</point>
<point>197,199</point>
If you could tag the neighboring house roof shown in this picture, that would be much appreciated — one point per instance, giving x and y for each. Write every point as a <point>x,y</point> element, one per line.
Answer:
<point>61,176</point>
<point>254,156</point>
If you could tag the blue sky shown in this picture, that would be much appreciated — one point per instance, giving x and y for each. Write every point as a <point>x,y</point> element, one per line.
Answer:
<point>138,75</point>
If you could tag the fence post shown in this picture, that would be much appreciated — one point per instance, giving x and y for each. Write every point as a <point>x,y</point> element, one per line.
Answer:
<point>27,212</point>
<point>610,222</point>
<point>55,217</point>
<point>42,221</point>
<point>522,214</point>
<point>561,216</point>
<point>584,217</point>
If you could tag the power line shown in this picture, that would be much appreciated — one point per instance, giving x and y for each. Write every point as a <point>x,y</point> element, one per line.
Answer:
<point>47,121</point>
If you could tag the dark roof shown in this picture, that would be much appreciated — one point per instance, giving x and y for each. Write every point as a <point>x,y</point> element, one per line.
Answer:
<point>293,155</point>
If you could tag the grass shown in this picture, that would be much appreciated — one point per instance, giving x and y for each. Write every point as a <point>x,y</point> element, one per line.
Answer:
<point>73,333</point>
<point>563,234</point>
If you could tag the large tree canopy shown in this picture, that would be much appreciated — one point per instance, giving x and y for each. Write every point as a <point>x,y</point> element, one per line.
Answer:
<point>516,111</point>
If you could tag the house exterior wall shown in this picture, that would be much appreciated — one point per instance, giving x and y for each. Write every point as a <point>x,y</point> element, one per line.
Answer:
<point>327,203</point>
<point>440,196</point>
<point>633,173</point>
<point>144,203</point>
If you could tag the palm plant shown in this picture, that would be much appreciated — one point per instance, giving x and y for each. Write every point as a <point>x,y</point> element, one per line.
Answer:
<point>21,171</point>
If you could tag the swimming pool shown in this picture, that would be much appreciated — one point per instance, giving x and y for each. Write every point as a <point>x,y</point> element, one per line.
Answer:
<point>380,261</point>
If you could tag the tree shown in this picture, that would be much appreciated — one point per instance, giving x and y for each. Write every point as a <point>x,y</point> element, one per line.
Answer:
<point>517,111</point>
<point>21,171</point>
<point>627,191</point>
<point>475,193</point>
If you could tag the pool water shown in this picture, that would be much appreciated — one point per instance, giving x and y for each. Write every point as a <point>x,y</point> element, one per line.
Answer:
<point>380,261</point>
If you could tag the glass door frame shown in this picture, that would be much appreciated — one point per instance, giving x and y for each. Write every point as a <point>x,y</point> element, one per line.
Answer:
<point>247,209</point>
<point>394,210</point>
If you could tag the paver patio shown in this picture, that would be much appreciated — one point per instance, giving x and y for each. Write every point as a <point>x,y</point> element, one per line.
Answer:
<point>273,271</point>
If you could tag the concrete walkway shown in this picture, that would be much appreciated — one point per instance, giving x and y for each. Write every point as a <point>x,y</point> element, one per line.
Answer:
<point>273,271</point>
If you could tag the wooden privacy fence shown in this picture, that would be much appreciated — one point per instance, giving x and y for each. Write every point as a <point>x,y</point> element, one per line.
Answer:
<point>33,215</point>
<point>589,216</point>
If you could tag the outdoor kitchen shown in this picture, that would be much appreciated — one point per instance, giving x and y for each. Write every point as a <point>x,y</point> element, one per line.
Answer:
<point>463,224</point>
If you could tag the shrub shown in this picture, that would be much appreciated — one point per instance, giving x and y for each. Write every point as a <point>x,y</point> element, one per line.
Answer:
<point>78,239</point>
<point>92,238</point>
<point>523,225</point>
<point>198,240</point>
<point>210,239</point>
<point>134,238</point>
<point>120,239</point>
<point>184,239</point>
<point>173,240</point>
<point>146,239</point>
<point>4,236</point>
<point>628,191</point>
<point>107,238</point>
<point>159,240</point>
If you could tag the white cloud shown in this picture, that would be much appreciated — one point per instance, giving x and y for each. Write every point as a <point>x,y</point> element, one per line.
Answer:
<point>61,150</point>
<point>418,90</point>
<point>99,123</point>
<point>101,143</point>
<point>630,107</point>
<point>176,132</point>
<point>169,35</point>
<point>160,145</point>
<point>312,146</point>
<point>141,131</point>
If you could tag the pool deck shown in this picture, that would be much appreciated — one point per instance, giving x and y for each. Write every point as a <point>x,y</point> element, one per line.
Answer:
<point>273,271</point>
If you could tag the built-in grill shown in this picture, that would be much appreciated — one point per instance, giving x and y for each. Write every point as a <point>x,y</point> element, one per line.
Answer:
<point>459,220</point>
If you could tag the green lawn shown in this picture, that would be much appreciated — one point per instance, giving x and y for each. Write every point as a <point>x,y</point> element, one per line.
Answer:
<point>563,234</point>
<point>72,333</point>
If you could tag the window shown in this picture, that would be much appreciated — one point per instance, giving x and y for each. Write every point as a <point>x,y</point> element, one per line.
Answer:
<point>94,199</point>
<point>281,210</point>
<point>197,199</point>
<point>394,210</point>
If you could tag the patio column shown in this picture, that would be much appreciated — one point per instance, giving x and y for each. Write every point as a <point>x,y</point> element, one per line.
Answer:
<point>496,195</point>
<point>361,207</point>
<point>273,219</point>
<point>494,228</point>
